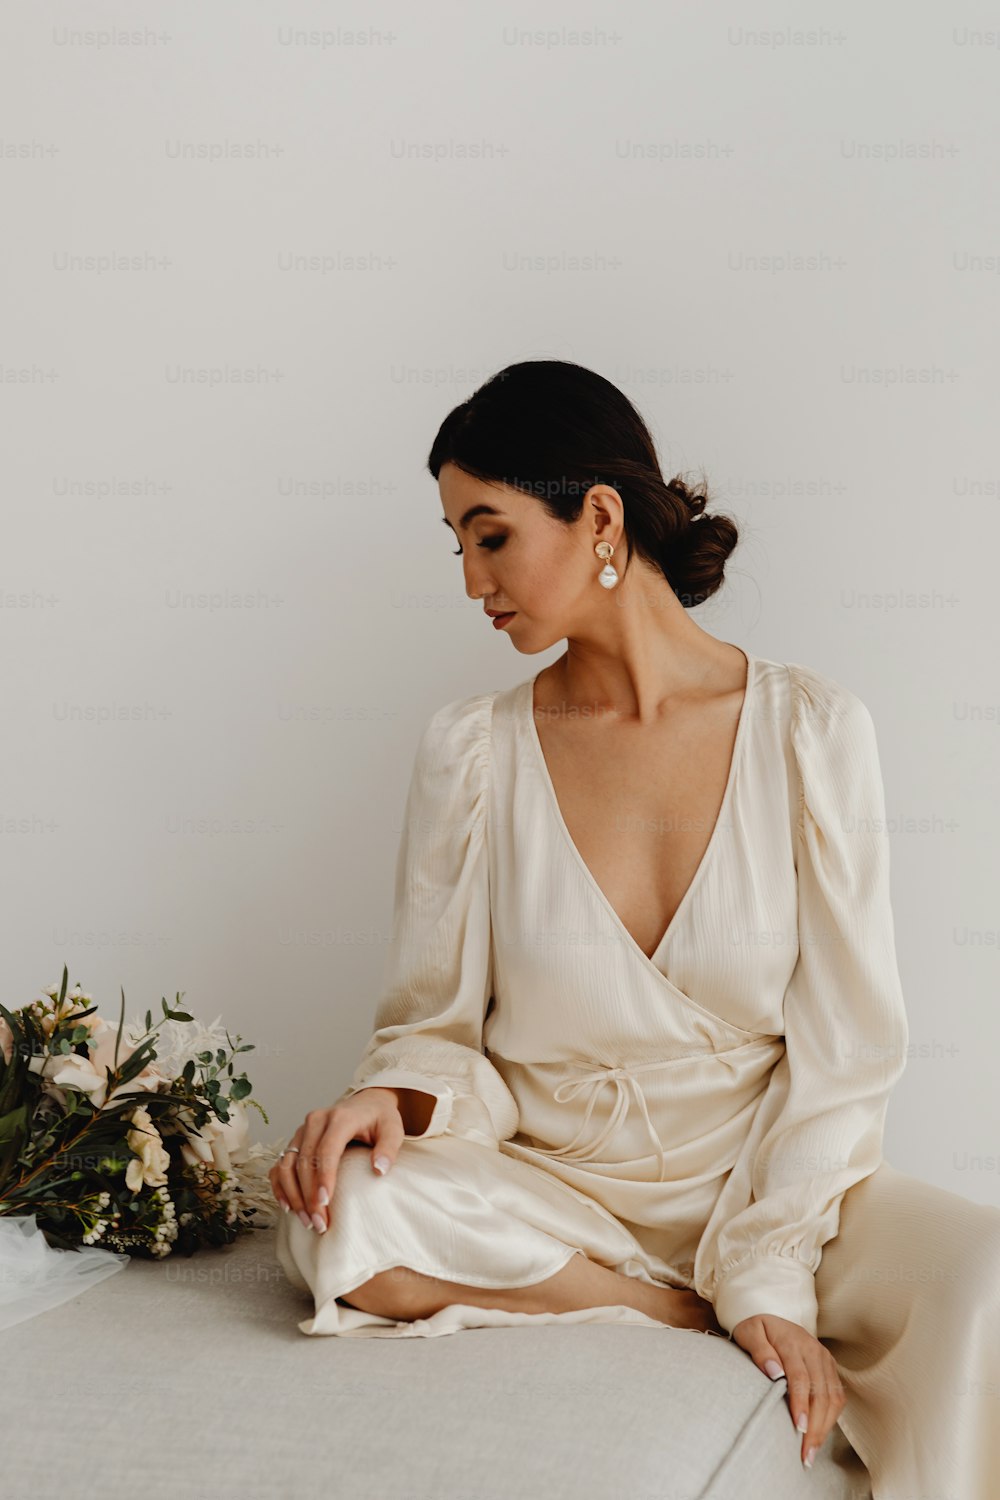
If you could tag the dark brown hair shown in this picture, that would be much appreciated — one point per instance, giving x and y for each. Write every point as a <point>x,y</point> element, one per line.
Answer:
<point>553,429</point>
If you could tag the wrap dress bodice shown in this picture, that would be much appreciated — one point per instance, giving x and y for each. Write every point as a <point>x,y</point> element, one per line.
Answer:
<point>718,1097</point>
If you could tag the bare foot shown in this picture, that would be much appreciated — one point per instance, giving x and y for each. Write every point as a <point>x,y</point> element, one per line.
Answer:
<point>684,1308</point>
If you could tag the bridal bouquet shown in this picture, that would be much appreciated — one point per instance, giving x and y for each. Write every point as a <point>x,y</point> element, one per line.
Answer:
<point>109,1142</point>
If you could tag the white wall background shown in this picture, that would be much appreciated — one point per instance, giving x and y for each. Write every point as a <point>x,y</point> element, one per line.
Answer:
<point>207,797</point>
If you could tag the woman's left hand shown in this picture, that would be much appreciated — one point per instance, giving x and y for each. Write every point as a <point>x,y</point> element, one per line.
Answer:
<point>816,1396</point>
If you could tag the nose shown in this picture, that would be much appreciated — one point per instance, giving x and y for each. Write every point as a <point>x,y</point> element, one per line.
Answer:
<point>478,582</point>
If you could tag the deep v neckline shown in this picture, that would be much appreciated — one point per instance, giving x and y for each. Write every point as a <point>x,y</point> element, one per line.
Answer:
<point>528,702</point>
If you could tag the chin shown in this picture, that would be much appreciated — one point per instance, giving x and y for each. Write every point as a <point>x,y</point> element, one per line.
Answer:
<point>532,645</point>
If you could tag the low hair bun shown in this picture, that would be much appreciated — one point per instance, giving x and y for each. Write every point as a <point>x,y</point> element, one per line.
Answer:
<point>694,562</point>
<point>694,499</point>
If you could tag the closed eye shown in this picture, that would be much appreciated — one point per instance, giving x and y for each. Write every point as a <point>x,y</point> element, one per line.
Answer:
<point>492,542</point>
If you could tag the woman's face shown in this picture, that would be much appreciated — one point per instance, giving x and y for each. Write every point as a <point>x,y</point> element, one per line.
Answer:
<point>520,560</point>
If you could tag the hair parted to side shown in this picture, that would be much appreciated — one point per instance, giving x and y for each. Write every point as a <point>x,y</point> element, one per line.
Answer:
<point>553,429</point>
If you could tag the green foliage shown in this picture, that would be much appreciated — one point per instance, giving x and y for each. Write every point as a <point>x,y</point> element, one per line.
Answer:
<point>64,1160</point>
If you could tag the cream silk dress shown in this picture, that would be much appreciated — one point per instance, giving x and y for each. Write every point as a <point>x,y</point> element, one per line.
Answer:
<point>710,1117</point>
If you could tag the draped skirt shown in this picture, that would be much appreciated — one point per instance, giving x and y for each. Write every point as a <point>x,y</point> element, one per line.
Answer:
<point>908,1290</point>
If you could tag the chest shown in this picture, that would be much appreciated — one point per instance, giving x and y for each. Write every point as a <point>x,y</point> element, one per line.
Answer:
<point>641,803</point>
<point>570,978</point>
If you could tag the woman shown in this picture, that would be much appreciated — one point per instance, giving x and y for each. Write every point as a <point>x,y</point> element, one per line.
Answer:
<point>643,1016</point>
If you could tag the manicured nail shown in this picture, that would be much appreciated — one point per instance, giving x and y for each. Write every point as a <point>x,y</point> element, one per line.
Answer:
<point>809,1458</point>
<point>285,1206</point>
<point>773,1369</point>
<point>382,1164</point>
<point>319,1224</point>
<point>305,1218</point>
<point>323,1196</point>
<point>802,1425</point>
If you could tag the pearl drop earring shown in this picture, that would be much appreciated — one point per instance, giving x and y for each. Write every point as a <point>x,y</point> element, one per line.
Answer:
<point>607,576</point>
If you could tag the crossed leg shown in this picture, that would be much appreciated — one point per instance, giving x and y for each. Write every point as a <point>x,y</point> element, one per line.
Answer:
<point>405,1294</point>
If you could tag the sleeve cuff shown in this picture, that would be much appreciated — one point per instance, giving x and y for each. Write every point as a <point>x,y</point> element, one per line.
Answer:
<point>421,1083</point>
<point>780,1285</point>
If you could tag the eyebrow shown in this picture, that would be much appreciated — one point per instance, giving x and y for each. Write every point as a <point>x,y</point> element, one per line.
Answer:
<point>471,513</point>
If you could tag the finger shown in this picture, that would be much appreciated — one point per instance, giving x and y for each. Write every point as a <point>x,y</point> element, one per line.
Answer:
<point>838,1395</point>
<point>389,1136</point>
<point>799,1390</point>
<point>306,1165</point>
<point>288,1177</point>
<point>326,1160</point>
<point>813,1435</point>
<point>763,1353</point>
<point>824,1407</point>
<point>276,1188</point>
<point>281,1171</point>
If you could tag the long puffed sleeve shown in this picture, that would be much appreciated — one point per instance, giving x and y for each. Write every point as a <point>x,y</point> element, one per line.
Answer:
<point>819,1128</point>
<point>429,1019</point>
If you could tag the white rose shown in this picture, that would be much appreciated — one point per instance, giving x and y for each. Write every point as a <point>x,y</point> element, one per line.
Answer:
<point>70,1070</point>
<point>101,1044</point>
<point>236,1132</point>
<point>150,1163</point>
<point>221,1144</point>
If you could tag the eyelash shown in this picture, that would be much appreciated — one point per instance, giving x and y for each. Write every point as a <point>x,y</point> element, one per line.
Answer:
<point>492,542</point>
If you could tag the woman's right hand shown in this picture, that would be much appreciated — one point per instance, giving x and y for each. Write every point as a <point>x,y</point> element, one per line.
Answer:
<point>303,1180</point>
